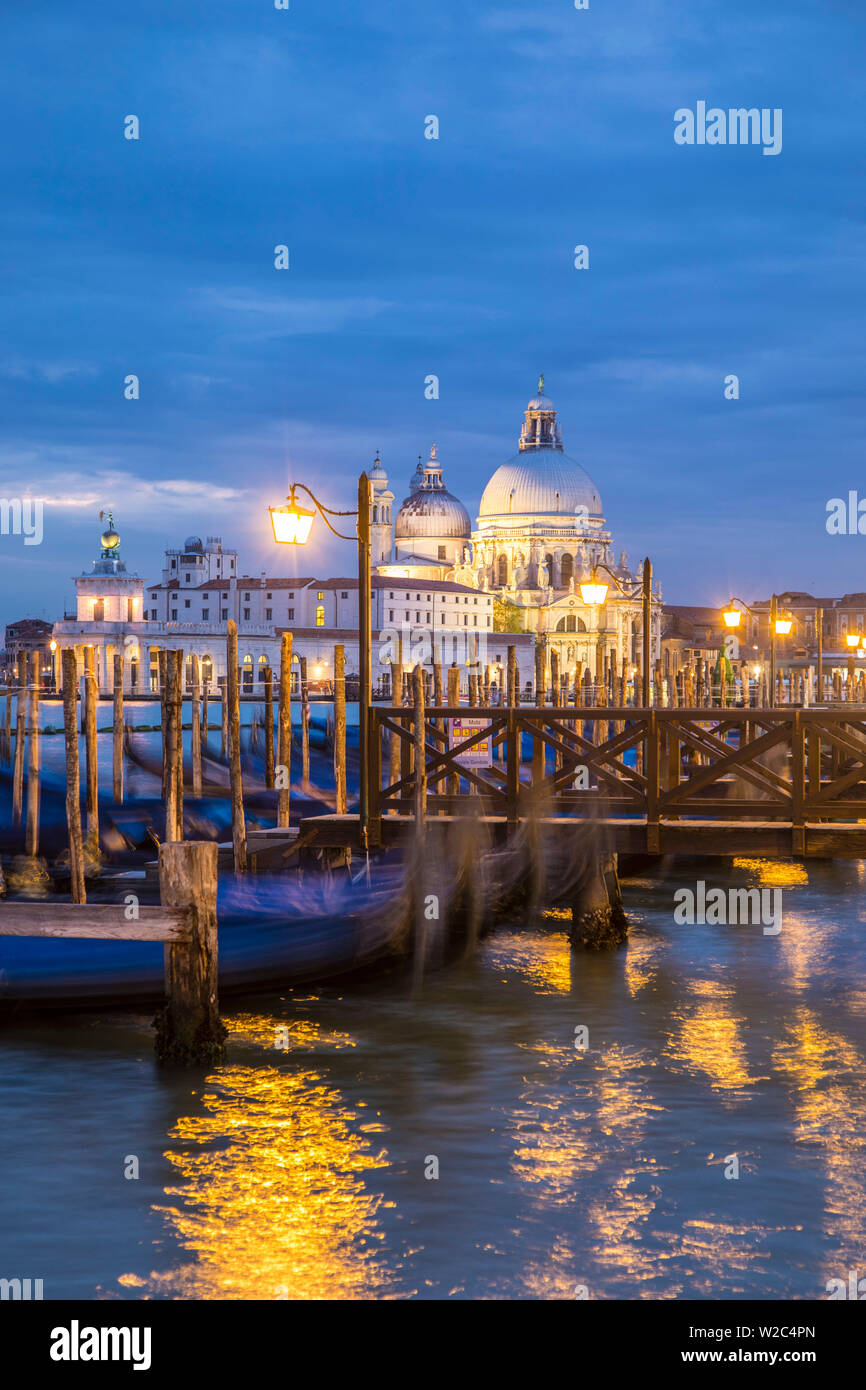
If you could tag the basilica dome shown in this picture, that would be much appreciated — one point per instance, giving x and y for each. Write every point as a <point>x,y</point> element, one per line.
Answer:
<point>431,510</point>
<point>538,483</point>
<point>540,480</point>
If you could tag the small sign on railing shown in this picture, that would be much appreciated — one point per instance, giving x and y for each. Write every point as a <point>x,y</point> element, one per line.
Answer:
<point>481,753</point>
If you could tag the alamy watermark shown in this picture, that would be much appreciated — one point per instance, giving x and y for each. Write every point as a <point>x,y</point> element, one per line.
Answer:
<point>737,126</point>
<point>22,516</point>
<point>736,907</point>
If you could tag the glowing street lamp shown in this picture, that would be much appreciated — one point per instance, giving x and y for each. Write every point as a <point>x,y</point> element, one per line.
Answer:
<point>731,616</point>
<point>292,525</point>
<point>783,626</point>
<point>594,592</point>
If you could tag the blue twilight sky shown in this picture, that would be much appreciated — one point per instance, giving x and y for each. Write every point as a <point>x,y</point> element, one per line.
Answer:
<point>412,256</point>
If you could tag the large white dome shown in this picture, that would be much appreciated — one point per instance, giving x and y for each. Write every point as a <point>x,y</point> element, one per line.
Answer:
<point>540,482</point>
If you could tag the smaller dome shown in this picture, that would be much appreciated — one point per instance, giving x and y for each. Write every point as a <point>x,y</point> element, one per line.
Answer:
<point>109,540</point>
<point>541,403</point>
<point>193,543</point>
<point>432,512</point>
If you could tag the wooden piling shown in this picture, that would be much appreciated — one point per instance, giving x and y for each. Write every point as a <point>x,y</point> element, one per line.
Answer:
<point>224,716</point>
<point>195,724</point>
<point>91,696</point>
<point>162,666</point>
<point>305,725</point>
<point>173,750</point>
<point>117,731</point>
<point>513,677</point>
<point>419,742</point>
<point>205,684</point>
<point>73,788</point>
<point>394,750</point>
<point>453,703</point>
<point>188,1028</point>
<point>340,729</point>
<point>20,729</point>
<point>31,842</point>
<point>239,834</point>
<point>284,730</point>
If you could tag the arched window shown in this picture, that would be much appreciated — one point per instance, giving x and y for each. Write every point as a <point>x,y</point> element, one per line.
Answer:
<point>247,675</point>
<point>264,665</point>
<point>566,569</point>
<point>320,615</point>
<point>206,670</point>
<point>568,624</point>
<point>99,610</point>
<point>581,625</point>
<point>502,571</point>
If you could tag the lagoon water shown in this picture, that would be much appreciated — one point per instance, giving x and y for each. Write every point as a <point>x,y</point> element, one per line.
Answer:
<point>300,1173</point>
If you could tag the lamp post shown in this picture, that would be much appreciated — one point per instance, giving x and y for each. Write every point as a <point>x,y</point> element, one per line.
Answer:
<point>53,648</point>
<point>292,526</point>
<point>594,592</point>
<point>852,641</point>
<point>780,626</point>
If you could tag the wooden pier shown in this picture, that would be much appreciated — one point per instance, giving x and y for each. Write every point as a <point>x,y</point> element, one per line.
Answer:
<point>771,782</point>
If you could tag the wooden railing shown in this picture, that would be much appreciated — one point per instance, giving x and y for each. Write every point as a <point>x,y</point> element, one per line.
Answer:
<point>795,766</point>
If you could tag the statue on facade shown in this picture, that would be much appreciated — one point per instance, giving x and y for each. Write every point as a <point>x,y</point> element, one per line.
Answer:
<point>543,576</point>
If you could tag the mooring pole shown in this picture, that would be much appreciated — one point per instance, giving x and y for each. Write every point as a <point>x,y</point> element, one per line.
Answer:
<point>284,745</point>
<point>20,730</point>
<point>73,786</point>
<point>188,1027</point>
<point>239,834</point>
<point>91,696</point>
<point>269,728</point>
<point>31,846</point>
<point>340,729</point>
<point>117,730</point>
<point>195,726</point>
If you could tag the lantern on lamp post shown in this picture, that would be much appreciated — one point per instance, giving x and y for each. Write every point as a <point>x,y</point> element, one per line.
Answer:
<point>292,525</point>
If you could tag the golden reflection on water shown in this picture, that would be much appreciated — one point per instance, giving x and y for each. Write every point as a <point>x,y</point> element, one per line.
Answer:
<point>274,1202</point>
<point>545,962</point>
<point>775,873</point>
<point>828,1115</point>
<point>707,1039</point>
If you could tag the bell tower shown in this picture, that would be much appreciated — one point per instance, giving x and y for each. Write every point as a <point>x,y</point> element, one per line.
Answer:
<point>381,523</point>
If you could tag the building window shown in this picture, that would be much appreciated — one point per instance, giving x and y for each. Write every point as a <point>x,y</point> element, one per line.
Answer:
<point>344,593</point>
<point>153,596</point>
<point>246,614</point>
<point>319,594</point>
<point>225,595</point>
<point>205,614</point>
<point>320,614</point>
<point>442,553</point>
<point>291,612</point>
<point>174,564</point>
<point>187,577</point>
<point>268,595</point>
<point>291,596</point>
<point>174,615</point>
<point>225,613</point>
<point>390,615</point>
<point>269,613</point>
<point>186,603</point>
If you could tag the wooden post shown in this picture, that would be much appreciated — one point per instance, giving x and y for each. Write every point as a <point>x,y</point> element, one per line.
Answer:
<point>284,730</point>
<point>8,725</point>
<point>453,703</point>
<point>239,834</point>
<point>420,751</point>
<point>31,844</point>
<point>195,725</point>
<point>117,730</point>
<point>91,693</point>
<point>513,677</point>
<point>395,759</point>
<point>188,1027</point>
<point>162,667</point>
<point>269,727</point>
<point>73,789</point>
<point>20,729</point>
<point>340,729</point>
<point>819,640</point>
<point>305,725</point>
<point>173,750</point>
<point>204,710</point>
<point>224,716</point>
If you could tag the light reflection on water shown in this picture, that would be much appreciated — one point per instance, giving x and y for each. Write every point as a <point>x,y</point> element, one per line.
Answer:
<point>300,1173</point>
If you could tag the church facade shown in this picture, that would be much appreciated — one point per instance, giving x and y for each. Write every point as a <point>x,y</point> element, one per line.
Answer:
<point>540,532</point>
